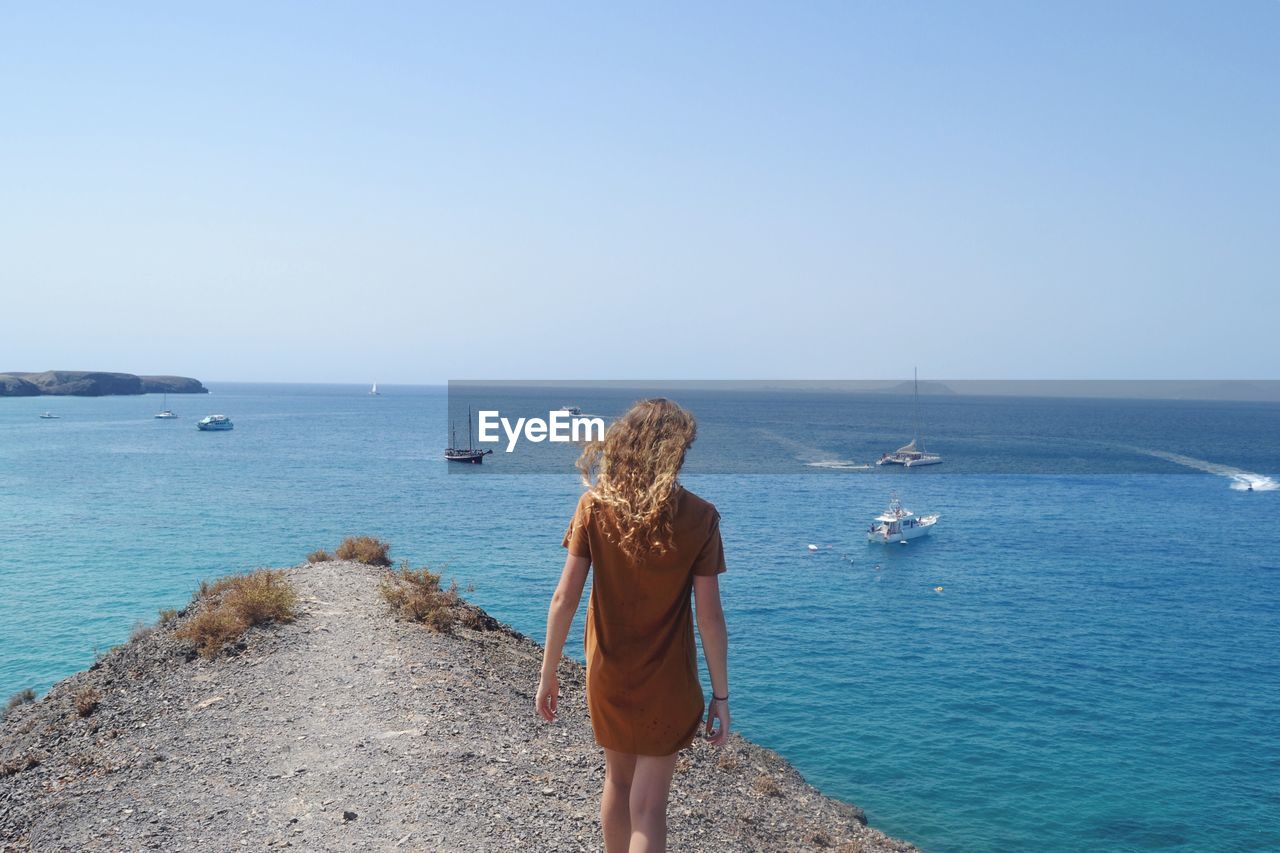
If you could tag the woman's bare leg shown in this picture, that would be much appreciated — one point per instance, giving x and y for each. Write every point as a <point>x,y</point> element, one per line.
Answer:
<point>650,784</point>
<point>615,802</point>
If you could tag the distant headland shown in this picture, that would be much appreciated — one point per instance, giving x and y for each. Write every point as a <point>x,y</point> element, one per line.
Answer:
<point>92,383</point>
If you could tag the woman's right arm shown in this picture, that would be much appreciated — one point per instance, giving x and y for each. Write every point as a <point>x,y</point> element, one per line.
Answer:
<point>564,604</point>
<point>715,647</point>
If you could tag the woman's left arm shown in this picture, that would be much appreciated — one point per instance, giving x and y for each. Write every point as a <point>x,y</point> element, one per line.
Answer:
<point>564,604</point>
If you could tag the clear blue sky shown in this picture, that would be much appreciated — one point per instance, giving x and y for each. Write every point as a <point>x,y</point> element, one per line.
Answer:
<point>412,192</point>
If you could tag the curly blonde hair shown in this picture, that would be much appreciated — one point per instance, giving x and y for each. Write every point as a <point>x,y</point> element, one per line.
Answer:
<point>635,470</point>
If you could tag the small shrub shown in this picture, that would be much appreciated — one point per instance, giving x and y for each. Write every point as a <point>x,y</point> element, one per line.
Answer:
<point>22,697</point>
<point>818,838</point>
<point>260,597</point>
<point>168,615</point>
<point>212,630</point>
<point>87,699</point>
<point>320,556</point>
<point>232,605</point>
<point>18,763</point>
<point>418,597</point>
<point>727,762</point>
<point>365,549</point>
<point>139,631</point>
<point>766,786</point>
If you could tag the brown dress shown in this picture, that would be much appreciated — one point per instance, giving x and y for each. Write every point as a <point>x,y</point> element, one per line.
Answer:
<point>643,691</point>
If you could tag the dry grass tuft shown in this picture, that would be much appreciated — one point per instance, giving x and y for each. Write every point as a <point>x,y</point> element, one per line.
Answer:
<point>260,597</point>
<point>320,556</point>
<point>17,764</point>
<point>418,597</point>
<point>212,630</point>
<point>365,549</point>
<point>87,700</point>
<point>767,786</point>
<point>168,615</point>
<point>22,697</point>
<point>139,631</point>
<point>818,838</point>
<point>727,761</point>
<point>234,604</point>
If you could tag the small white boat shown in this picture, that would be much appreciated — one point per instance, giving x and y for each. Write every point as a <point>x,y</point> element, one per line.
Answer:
<point>166,414</point>
<point>215,423</point>
<point>899,524</point>
<point>49,416</point>
<point>573,410</point>
<point>373,392</point>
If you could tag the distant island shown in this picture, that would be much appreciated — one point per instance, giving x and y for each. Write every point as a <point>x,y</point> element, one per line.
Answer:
<point>92,383</point>
<point>909,388</point>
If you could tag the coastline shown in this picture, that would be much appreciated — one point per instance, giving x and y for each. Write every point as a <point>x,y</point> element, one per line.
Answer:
<point>93,383</point>
<point>349,729</point>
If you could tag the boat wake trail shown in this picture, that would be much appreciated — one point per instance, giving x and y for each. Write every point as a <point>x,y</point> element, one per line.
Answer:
<point>1241,481</point>
<point>839,465</point>
<point>813,457</point>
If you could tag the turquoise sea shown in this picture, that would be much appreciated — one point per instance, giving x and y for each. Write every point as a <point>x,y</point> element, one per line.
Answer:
<point>1101,670</point>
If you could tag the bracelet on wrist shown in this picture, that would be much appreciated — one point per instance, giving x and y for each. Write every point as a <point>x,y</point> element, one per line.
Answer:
<point>715,698</point>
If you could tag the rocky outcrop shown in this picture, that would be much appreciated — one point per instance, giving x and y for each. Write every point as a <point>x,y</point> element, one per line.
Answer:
<point>14,386</point>
<point>86,383</point>
<point>348,730</point>
<point>172,385</point>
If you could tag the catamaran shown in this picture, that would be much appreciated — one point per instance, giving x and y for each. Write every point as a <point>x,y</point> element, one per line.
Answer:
<point>165,414</point>
<point>899,524</point>
<point>912,454</point>
<point>454,453</point>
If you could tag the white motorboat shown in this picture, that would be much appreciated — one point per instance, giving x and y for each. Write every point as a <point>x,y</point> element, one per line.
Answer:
<point>214,423</point>
<point>49,416</point>
<point>573,410</point>
<point>912,454</point>
<point>899,524</point>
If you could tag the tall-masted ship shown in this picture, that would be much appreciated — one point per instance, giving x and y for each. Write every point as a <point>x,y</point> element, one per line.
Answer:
<point>468,454</point>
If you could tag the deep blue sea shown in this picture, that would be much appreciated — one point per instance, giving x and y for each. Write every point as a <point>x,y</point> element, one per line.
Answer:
<point>1101,669</point>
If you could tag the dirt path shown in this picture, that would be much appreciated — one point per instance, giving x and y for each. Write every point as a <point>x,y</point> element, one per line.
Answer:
<point>348,730</point>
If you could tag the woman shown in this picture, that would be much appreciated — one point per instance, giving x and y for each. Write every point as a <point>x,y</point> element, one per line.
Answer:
<point>651,542</point>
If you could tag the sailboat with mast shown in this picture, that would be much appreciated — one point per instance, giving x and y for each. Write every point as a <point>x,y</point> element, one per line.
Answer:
<point>166,414</point>
<point>913,454</point>
<point>455,453</point>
